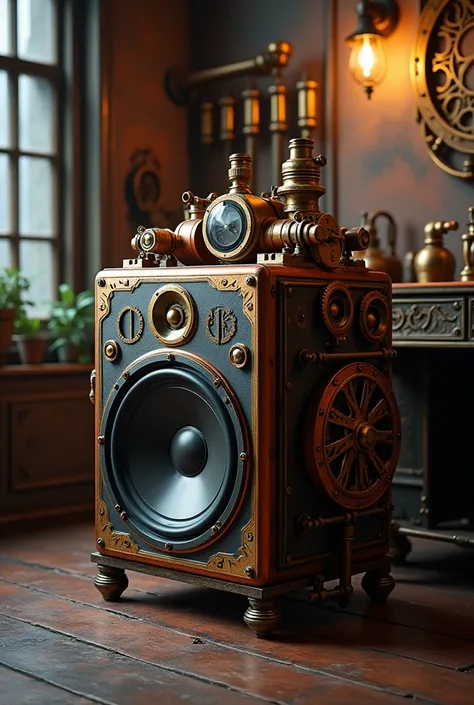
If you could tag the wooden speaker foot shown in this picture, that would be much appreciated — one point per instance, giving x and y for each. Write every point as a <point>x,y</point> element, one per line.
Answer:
<point>401,546</point>
<point>262,616</point>
<point>378,584</point>
<point>110,582</point>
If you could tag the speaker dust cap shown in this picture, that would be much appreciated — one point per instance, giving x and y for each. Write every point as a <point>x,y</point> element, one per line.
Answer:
<point>176,450</point>
<point>172,315</point>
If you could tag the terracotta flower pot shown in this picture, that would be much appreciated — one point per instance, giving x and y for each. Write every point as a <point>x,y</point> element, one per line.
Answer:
<point>7,317</point>
<point>31,350</point>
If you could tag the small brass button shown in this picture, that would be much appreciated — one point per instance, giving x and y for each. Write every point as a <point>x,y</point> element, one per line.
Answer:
<point>175,316</point>
<point>239,355</point>
<point>111,350</point>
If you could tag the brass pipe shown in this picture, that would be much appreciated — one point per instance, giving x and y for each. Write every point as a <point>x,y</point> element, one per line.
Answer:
<point>311,358</point>
<point>274,58</point>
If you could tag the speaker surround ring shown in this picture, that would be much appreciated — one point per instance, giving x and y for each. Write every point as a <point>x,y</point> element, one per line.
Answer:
<point>178,474</point>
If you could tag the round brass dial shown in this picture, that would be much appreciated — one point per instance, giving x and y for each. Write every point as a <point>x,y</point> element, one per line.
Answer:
<point>172,315</point>
<point>353,438</point>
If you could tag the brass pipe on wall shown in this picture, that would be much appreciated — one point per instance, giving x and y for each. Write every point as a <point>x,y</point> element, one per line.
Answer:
<point>278,127</point>
<point>251,128</point>
<point>227,123</point>
<point>307,106</point>
<point>274,58</point>
<point>207,126</point>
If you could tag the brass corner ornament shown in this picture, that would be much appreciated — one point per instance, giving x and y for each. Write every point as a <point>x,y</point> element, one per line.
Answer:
<point>442,75</point>
<point>241,564</point>
<point>111,539</point>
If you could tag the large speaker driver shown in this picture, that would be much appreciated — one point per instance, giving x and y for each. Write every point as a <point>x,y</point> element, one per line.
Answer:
<point>177,452</point>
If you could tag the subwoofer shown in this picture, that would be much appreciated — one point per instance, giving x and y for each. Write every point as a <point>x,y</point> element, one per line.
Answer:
<point>247,429</point>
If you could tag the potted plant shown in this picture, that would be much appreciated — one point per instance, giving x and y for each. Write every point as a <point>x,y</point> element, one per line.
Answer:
<point>30,339</point>
<point>71,322</point>
<point>13,285</point>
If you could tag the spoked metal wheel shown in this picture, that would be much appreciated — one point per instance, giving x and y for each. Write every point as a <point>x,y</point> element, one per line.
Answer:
<point>355,444</point>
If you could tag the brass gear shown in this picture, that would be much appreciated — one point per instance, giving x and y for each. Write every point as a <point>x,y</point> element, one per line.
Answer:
<point>374,316</point>
<point>337,308</point>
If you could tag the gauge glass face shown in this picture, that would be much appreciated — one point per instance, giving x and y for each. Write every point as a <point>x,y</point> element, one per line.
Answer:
<point>226,226</point>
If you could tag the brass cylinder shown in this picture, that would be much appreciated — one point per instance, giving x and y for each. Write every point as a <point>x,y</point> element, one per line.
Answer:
<point>227,126</point>
<point>207,128</point>
<point>300,175</point>
<point>240,173</point>
<point>251,99</point>
<point>278,126</point>
<point>307,106</point>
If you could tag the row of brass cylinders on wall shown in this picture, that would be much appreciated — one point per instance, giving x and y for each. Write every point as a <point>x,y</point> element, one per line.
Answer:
<point>251,127</point>
<point>251,101</point>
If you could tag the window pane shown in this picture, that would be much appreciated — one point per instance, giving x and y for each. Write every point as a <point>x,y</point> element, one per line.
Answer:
<point>36,30</point>
<point>5,24</point>
<point>36,114</point>
<point>36,197</point>
<point>4,110</point>
<point>5,253</point>
<point>5,195</point>
<point>37,263</point>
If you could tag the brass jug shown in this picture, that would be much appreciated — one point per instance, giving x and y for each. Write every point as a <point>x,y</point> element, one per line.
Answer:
<point>374,256</point>
<point>434,262</point>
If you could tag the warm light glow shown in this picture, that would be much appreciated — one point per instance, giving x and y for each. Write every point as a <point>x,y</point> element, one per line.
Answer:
<point>366,58</point>
<point>367,62</point>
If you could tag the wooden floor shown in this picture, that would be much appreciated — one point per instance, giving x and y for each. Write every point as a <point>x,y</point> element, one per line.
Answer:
<point>167,643</point>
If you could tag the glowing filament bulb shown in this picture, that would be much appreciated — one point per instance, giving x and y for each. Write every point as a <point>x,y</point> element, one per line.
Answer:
<point>366,58</point>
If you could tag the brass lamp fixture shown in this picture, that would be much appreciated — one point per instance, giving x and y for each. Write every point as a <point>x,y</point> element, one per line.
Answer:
<point>376,20</point>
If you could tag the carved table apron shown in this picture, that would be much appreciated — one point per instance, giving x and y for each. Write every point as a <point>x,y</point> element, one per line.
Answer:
<point>433,333</point>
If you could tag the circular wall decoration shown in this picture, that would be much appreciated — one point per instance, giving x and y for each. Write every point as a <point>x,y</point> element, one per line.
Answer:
<point>444,82</point>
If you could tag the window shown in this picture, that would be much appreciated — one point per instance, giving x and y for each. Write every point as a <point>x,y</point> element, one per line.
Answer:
<point>30,148</point>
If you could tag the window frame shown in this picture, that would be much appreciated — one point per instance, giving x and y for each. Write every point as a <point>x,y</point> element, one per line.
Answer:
<point>56,76</point>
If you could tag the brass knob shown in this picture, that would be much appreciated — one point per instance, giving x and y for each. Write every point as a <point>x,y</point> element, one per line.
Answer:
<point>334,309</point>
<point>175,316</point>
<point>147,239</point>
<point>366,436</point>
<point>238,355</point>
<point>111,350</point>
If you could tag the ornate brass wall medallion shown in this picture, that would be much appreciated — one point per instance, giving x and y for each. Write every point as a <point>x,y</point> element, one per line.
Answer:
<point>444,81</point>
<point>130,324</point>
<point>172,315</point>
<point>374,316</point>
<point>221,324</point>
<point>337,308</point>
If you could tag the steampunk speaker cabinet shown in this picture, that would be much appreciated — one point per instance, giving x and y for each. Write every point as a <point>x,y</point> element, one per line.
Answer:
<point>247,430</point>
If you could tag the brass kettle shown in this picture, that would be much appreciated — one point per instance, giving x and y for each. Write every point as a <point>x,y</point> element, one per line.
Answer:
<point>434,262</point>
<point>375,258</point>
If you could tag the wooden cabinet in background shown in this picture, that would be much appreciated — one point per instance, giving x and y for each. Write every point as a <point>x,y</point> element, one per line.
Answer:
<point>46,440</point>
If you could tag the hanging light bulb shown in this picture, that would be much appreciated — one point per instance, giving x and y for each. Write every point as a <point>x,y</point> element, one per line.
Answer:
<point>377,19</point>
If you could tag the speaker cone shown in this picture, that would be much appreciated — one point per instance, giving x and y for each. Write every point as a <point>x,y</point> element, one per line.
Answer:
<point>173,450</point>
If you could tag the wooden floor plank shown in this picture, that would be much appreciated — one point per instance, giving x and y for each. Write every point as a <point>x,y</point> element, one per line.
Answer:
<point>22,689</point>
<point>171,599</point>
<point>303,646</point>
<point>110,677</point>
<point>264,678</point>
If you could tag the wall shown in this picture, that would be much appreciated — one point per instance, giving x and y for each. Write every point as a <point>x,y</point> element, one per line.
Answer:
<point>224,32</point>
<point>140,44</point>
<point>382,161</point>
